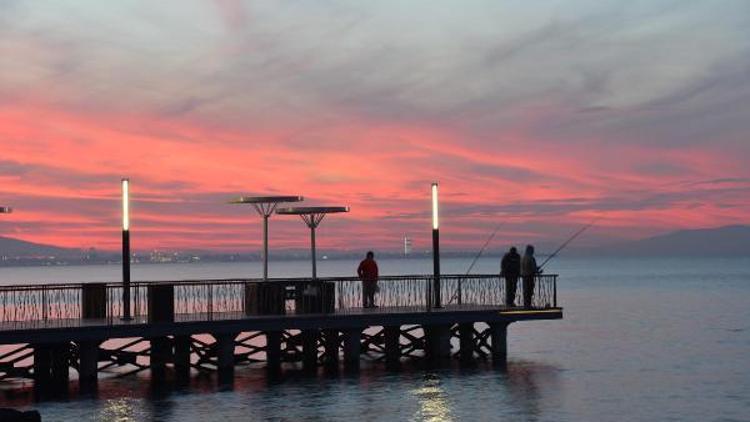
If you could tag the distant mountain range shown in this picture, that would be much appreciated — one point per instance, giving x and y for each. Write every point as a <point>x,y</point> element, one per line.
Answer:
<point>722,241</point>
<point>21,248</point>
<point>714,242</point>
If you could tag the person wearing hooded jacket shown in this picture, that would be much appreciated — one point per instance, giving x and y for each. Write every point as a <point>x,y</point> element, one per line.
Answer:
<point>529,270</point>
<point>510,269</point>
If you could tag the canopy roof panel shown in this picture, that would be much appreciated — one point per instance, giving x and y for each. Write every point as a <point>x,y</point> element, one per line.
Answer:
<point>311,210</point>
<point>266,199</point>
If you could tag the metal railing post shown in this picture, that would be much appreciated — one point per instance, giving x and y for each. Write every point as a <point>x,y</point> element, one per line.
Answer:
<point>210,302</point>
<point>460,292</point>
<point>136,300</point>
<point>554,291</point>
<point>428,299</point>
<point>44,303</point>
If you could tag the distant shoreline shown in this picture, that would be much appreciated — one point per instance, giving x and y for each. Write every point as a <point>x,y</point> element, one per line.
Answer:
<point>495,256</point>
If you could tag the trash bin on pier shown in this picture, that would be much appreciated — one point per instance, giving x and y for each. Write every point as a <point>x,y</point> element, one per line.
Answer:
<point>160,303</point>
<point>264,298</point>
<point>315,297</point>
<point>94,300</point>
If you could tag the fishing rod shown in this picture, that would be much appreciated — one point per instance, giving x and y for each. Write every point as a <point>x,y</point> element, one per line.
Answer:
<point>476,258</point>
<point>481,251</point>
<point>567,242</point>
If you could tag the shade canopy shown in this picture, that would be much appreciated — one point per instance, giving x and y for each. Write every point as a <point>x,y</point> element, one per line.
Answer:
<point>265,206</point>
<point>311,210</point>
<point>312,216</point>
<point>266,199</point>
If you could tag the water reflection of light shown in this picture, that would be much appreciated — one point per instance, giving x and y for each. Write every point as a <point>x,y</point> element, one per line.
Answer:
<point>433,404</point>
<point>119,410</point>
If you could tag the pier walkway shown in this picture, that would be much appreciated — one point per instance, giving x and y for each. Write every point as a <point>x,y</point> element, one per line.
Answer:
<point>180,327</point>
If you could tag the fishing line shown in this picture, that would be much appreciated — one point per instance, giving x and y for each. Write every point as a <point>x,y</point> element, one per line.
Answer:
<point>567,242</point>
<point>481,251</point>
<point>478,255</point>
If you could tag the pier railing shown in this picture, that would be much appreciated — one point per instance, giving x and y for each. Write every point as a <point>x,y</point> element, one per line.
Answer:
<point>231,298</point>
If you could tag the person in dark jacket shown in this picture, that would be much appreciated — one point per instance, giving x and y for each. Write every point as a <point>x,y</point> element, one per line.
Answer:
<point>510,269</point>
<point>529,270</point>
<point>368,273</point>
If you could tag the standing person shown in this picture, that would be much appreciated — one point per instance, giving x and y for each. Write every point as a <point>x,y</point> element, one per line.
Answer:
<point>528,271</point>
<point>368,273</point>
<point>510,269</point>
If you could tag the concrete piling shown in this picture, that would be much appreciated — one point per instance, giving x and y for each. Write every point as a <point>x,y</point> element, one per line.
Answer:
<point>392,335</point>
<point>182,357</point>
<point>438,341</point>
<point>273,351</point>
<point>331,346</point>
<point>499,339</point>
<point>161,351</point>
<point>225,356</point>
<point>352,347</point>
<point>88,365</point>
<point>310,349</point>
<point>466,342</point>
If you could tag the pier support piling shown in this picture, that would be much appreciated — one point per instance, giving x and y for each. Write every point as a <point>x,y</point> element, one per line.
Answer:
<point>466,341</point>
<point>161,351</point>
<point>499,338</point>
<point>438,339</point>
<point>391,337</point>
<point>331,345</point>
<point>51,367</point>
<point>310,349</point>
<point>42,366</point>
<point>182,357</point>
<point>273,351</point>
<point>225,356</point>
<point>352,348</point>
<point>60,368</point>
<point>88,365</point>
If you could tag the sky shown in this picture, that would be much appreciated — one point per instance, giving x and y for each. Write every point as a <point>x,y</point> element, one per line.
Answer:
<point>539,116</point>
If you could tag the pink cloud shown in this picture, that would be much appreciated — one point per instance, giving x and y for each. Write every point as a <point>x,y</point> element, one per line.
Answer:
<point>183,173</point>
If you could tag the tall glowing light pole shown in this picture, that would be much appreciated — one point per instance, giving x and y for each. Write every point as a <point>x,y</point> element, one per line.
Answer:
<point>126,250</point>
<point>435,247</point>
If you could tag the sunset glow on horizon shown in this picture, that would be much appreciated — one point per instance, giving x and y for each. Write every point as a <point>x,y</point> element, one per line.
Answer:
<point>541,116</point>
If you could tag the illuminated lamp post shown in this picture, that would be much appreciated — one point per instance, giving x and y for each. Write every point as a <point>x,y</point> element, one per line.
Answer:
<point>436,247</point>
<point>126,250</point>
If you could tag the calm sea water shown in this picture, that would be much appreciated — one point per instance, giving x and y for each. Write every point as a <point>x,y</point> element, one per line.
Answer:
<point>642,340</point>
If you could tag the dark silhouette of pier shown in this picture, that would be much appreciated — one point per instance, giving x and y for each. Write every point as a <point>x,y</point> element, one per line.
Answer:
<point>182,327</point>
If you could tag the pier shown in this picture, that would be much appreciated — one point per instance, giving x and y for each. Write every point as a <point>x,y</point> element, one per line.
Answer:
<point>49,333</point>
